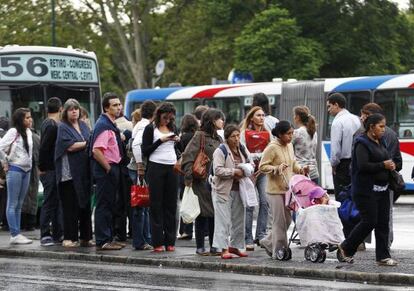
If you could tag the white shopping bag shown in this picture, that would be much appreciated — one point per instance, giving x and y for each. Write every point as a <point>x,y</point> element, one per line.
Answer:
<point>190,208</point>
<point>248,192</point>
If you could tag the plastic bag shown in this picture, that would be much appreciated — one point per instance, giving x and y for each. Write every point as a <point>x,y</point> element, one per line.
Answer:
<point>248,192</point>
<point>190,208</point>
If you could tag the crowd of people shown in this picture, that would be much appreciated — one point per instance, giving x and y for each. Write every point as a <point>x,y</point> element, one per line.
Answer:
<point>87,169</point>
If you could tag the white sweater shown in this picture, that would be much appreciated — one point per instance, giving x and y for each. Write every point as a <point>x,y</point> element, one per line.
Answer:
<point>18,156</point>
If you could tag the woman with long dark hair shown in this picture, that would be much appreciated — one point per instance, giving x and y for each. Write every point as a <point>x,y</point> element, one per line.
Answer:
<point>305,140</point>
<point>17,146</point>
<point>159,147</point>
<point>211,121</point>
<point>255,137</point>
<point>73,176</point>
<point>371,167</point>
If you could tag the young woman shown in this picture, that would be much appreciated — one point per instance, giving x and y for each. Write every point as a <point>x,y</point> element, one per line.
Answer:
<point>255,137</point>
<point>278,162</point>
<point>17,147</point>
<point>305,140</point>
<point>371,166</point>
<point>211,121</point>
<point>229,211</point>
<point>73,176</point>
<point>158,146</point>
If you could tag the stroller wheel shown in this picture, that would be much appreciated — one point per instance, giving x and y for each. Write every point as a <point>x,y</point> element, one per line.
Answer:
<point>322,257</point>
<point>315,254</point>
<point>308,250</point>
<point>288,254</point>
<point>280,254</point>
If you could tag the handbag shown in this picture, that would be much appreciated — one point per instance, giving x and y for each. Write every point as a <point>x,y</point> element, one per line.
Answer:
<point>201,161</point>
<point>190,207</point>
<point>140,195</point>
<point>396,181</point>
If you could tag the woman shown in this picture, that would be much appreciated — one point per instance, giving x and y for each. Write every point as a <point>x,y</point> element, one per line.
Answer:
<point>278,162</point>
<point>255,137</point>
<point>72,176</point>
<point>229,211</point>
<point>371,167</point>
<point>189,125</point>
<point>158,146</point>
<point>305,140</point>
<point>17,147</point>
<point>211,121</point>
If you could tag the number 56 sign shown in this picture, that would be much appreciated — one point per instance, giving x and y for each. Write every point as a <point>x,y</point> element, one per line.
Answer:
<point>47,68</point>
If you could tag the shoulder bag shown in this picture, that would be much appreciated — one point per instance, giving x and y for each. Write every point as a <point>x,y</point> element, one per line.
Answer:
<point>201,160</point>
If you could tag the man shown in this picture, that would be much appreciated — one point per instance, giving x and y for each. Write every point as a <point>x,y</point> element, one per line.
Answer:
<point>343,128</point>
<point>107,151</point>
<point>393,148</point>
<point>51,212</point>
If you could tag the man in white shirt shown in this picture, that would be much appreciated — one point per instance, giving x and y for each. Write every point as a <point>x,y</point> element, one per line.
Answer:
<point>344,125</point>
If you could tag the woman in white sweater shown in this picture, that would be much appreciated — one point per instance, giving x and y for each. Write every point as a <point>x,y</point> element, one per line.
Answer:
<point>17,147</point>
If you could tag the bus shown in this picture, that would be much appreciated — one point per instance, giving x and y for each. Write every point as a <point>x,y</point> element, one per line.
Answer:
<point>30,75</point>
<point>394,93</point>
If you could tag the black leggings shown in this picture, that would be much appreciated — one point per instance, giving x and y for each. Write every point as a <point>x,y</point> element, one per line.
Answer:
<point>163,186</point>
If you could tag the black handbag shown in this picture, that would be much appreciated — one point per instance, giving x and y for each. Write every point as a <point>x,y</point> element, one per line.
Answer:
<point>397,183</point>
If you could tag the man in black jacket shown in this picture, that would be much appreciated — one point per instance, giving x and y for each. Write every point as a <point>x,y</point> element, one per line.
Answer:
<point>51,211</point>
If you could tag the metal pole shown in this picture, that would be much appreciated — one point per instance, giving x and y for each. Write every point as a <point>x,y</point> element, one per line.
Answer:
<point>53,24</point>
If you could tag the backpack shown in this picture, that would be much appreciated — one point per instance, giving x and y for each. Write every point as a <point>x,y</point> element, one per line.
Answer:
<point>223,148</point>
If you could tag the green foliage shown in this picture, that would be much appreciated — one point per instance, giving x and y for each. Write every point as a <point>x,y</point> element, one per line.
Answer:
<point>270,46</point>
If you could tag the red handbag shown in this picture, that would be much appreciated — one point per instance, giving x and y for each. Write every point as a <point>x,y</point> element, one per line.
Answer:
<point>140,195</point>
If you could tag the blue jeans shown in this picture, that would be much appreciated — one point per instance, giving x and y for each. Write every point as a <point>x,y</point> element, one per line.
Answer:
<point>17,187</point>
<point>263,212</point>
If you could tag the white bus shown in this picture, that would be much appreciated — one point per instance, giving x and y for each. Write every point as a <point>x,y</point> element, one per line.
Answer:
<point>30,75</point>
<point>395,94</point>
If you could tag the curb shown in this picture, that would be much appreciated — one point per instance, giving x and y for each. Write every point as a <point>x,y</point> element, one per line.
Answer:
<point>307,273</point>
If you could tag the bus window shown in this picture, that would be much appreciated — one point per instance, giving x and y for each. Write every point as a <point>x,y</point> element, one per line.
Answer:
<point>183,107</point>
<point>230,106</point>
<point>386,99</point>
<point>405,113</point>
<point>355,101</point>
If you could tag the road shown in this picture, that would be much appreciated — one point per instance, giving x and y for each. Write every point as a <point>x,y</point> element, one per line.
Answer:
<point>37,274</point>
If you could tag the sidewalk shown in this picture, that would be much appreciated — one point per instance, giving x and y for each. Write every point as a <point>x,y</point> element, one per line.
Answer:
<point>258,263</point>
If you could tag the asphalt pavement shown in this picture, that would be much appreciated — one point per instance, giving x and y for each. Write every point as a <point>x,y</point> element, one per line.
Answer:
<point>364,270</point>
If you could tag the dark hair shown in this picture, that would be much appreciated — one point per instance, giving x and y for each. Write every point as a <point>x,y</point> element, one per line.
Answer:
<point>303,112</point>
<point>148,109</point>
<point>69,104</point>
<point>199,111</point>
<point>4,123</point>
<point>165,107</point>
<point>18,122</point>
<point>229,129</point>
<point>208,119</point>
<point>106,98</point>
<point>281,127</point>
<point>373,120</point>
<point>53,105</point>
<point>371,108</point>
<point>260,99</point>
<point>337,98</point>
<point>189,123</point>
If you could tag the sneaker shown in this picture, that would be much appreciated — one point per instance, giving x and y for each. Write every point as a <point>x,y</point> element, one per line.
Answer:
<point>145,247</point>
<point>20,240</point>
<point>387,262</point>
<point>185,236</point>
<point>343,257</point>
<point>46,241</point>
<point>250,247</point>
<point>109,247</point>
<point>202,252</point>
<point>120,243</point>
<point>70,244</point>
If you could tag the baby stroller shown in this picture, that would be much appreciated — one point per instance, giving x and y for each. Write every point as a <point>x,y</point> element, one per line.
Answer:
<point>318,226</point>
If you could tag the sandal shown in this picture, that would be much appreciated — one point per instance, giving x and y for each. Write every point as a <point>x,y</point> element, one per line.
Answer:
<point>342,257</point>
<point>387,262</point>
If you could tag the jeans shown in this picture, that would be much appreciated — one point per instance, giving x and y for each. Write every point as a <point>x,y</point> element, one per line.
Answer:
<point>51,211</point>
<point>17,186</point>
<point>263,212</point>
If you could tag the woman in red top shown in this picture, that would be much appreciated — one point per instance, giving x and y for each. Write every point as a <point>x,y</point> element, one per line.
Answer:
<point>255,137</point>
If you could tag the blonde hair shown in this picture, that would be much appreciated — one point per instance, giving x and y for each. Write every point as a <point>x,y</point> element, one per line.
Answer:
<point>247,120</point>
<point>136,116</point>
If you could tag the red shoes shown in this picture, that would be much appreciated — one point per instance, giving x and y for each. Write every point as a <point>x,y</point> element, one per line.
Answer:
<point>238,252</point>
<point>225,255</point>
<point>159,249</point>
<point>170,248</point>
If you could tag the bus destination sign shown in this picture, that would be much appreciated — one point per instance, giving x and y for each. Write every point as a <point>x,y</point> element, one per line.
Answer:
<point>47,68</point>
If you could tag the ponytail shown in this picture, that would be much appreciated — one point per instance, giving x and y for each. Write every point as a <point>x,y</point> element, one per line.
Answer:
<point>303,112</point>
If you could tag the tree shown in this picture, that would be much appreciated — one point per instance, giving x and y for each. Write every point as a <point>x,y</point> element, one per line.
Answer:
<point>270,46</point>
